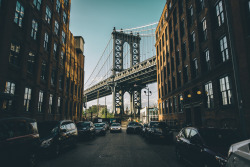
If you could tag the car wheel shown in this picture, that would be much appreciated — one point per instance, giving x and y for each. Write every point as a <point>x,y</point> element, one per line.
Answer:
<point>178,154</point>
<point>32,160</point>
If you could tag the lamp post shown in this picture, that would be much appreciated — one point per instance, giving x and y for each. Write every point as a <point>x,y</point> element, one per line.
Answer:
<point>148,93</point>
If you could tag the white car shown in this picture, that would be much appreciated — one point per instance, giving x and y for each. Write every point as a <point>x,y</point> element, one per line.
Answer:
<point>115,127</point>
<point>239,154</point>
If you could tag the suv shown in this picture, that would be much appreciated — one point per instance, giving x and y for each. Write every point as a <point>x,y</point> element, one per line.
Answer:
<point>57,134</point>
<point>158,130</point>
<point>19,142</point>
<point>134,127</point>
<point>86,129</point>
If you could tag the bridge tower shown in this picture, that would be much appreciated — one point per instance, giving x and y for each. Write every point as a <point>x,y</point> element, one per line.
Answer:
<point>119,39</point>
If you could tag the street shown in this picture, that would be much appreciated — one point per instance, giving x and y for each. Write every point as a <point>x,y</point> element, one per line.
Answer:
<point>116,149</point>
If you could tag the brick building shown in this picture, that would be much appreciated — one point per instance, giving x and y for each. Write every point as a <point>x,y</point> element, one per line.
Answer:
<point>41,63</point>
<point>203,63</point>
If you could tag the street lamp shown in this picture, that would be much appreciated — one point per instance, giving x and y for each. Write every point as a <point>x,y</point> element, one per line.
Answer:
<point>148,93</point>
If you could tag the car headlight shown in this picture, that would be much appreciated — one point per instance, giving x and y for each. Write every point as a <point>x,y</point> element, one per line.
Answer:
<point>230,151</point>
<point>221,160</point>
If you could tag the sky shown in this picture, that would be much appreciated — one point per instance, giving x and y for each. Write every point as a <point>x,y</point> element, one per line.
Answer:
<point>94,21</point>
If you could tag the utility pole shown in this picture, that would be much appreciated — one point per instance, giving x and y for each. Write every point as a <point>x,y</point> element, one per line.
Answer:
<point>106,109</point>
<point>148,93</point>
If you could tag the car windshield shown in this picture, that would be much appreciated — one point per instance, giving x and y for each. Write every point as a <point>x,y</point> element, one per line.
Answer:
<point>133,124</point>
<point>220,137</point>
<point>83,124</point>
<point>99,125</point>
<point>47,128</point>
<point>115,124</point>
<point>157,124</point>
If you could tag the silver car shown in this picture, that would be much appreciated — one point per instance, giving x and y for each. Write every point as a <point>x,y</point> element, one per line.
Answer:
<point>115,127</point>
<point>239,154</point>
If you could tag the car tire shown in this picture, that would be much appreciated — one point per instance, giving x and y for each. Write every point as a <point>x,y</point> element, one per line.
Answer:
<point>178,154</point>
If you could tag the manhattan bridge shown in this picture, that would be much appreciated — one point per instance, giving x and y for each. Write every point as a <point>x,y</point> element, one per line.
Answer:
<point>127,64</point>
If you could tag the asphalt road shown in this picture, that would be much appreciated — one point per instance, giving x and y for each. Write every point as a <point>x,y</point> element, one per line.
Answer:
<point>116,150</point>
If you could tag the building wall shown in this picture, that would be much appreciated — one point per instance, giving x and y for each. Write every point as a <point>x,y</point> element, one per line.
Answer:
<point>182,78</point>
<point>66,101</point>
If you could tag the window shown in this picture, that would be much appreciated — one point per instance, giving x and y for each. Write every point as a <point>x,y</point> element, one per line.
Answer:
<point>64,17</point>
<point>9,89</point>
<point>170,106</point>
<point>60,82</point>
<point>55,50</point>
<point>191,13</point>
<point>184,51</point>
<point>58,104</point>
<point>27,99</point>
<point>179,79</point>
<point>182,28</point>
<point>48,15</point>
<point>43,71</point>
<point>202,5</point>
<point>166,106</point>
<point>0,3</point>
<point>180,102</point>
<point>195,68</point>
<point>63,37</point>
<point>37,4</point>
<point>14,54</point>
<point>175,104</point>
<point>177,56</point>
<point>30,63</point>
<point>176,38</point>
<point>62,57</point>
<point>185,74</point>
<point>46,41</point>
<point>166,33</point>
<point>53,77</point>
<point>56,27</point>
<point>50,103</point>
<point>219,13</point>
<point>192,42</point>
<point>207,59</point>
<point>224,49</point>
<point>209,95</point>
<point>225,89</point>
<point>40,101</point>
<point>34,29</point>
<point>19,14</point>
<point>58,5</point>
<point>204,28</point>
<point>66,2</point>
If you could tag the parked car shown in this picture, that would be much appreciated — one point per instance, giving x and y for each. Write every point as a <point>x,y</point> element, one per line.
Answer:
<point>158,130</point>
<point>55,135</point>
<point>115,127</point>
<point>19,142</point>
<point>205,146</point>
<point>134,127</point>
<point>100,128</point>
<point>86,129</point>
<point>144,129</point>
<point>239,154</point>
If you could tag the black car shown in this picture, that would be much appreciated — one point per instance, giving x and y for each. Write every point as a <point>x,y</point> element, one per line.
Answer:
<point>86,129</point>
<point>134,127</point>
<point>55,135</point>
<point>100,129</point>
<point>158,130</point>
<point>205,146</point>
<point>19,142</point>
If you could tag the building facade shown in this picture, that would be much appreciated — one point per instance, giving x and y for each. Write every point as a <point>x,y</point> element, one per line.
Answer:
<point>203,63</point>
<point>41,63</point>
